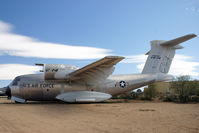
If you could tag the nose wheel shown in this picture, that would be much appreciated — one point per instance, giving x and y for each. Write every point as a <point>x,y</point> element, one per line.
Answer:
<point>18,100</point>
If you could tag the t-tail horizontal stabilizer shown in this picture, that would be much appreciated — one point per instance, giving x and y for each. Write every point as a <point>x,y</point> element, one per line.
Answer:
<point>161,54</point>
<point>178,40</point>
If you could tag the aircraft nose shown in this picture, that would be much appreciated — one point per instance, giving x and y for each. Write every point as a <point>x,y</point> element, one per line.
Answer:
<point>8,92</point>
<point>2,91</point>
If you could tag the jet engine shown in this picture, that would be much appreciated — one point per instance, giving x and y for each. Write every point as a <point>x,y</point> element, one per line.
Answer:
<point>56,71</point>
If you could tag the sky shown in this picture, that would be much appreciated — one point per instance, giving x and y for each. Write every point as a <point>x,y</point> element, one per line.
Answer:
<point>79,32</point>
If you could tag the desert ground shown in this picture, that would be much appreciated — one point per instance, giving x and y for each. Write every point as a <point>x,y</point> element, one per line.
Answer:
<point>108,117</point>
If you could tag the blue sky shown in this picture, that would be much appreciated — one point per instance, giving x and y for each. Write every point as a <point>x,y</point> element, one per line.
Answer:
<point>32,30</point>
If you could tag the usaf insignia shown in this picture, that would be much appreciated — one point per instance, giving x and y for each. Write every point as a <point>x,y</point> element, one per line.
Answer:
<point>122,84</point>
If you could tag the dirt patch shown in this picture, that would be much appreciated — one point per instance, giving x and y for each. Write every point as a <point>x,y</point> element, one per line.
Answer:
<point>108,117</point>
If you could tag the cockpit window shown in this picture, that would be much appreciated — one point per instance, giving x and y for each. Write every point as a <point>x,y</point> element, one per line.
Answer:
<point>15,81</point>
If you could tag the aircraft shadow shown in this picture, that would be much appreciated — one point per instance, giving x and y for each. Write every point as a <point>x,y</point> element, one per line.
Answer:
<point>58,102</point>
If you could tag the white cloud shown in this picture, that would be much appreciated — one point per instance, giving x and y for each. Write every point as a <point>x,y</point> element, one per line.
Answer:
<point>5,27</point>
<point>134,59</point>
<point>181,65</point>
<point>192,5</point>
<point>24,46</point>
<point>192,9</point>
<point>10,71</point>
<point>19,45</point>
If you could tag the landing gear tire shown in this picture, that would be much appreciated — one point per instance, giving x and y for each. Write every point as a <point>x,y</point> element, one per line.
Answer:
<point>17,102</point>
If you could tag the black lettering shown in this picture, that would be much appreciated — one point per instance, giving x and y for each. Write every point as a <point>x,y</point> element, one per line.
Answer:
<point>54,70</point>
<point>32,85</point>
<point>23,85</point>
<point>47,70</point>
<point>28,85</point>
<point>51,86</point>
<point>155,57</point>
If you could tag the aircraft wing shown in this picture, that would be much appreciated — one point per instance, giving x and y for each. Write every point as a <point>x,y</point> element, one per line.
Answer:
<point>95,72</point>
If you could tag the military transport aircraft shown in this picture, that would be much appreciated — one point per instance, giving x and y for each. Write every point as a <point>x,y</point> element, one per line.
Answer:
<point>94,82</point>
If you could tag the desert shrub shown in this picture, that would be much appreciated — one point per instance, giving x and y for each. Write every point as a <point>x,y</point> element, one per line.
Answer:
<point>149,92</point>
<point>169,99</point>
<point>194,98</point>
<point>126,95</point>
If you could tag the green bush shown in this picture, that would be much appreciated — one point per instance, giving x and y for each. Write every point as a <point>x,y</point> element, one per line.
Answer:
<point>170,98</point>
<point>194,98</point>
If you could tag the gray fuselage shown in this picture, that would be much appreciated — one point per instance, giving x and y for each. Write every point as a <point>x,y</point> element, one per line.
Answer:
<point>34,87</point>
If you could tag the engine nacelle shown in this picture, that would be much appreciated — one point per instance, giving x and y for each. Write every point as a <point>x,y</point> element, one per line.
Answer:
<point>60,70</point>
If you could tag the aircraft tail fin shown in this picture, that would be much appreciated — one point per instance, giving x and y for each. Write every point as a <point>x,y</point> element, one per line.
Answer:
<point>162,53</point>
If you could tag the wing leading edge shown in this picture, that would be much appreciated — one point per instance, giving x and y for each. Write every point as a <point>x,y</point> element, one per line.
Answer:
<point>94,72</point>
